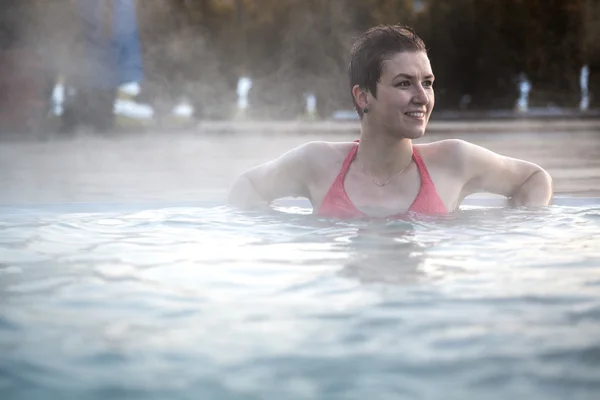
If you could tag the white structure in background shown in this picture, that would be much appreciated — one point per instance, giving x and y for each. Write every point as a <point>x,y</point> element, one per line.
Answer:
<point>58,98</point>
<point>126,107</point>
<point>583,82</point>
<point>524,89</point>
<point>243,88</point>
<point>311,105</point>
<point>183,110</point>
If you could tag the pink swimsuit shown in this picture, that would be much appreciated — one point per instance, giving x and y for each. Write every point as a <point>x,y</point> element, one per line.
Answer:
<point>337,204</point>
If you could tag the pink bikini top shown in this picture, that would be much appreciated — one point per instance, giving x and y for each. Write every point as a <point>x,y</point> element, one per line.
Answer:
<point>337,204</point>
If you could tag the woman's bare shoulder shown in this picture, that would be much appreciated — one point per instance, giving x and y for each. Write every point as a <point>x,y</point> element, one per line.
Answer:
<point>326,149</point>
<point>326,154</point>
<point>445,151</point>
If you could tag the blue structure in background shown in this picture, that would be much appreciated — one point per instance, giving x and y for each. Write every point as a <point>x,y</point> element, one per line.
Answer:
<point>127,41</point>
<point>107,55</point>
<point>111,47</point>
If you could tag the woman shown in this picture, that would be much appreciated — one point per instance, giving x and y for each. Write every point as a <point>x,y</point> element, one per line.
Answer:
<point>384,174</point>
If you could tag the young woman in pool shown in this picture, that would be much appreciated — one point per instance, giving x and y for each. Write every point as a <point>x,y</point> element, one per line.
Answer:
<point>384,174</point>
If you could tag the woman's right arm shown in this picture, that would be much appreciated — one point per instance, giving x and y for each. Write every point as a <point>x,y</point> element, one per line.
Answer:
<point>286,176</point>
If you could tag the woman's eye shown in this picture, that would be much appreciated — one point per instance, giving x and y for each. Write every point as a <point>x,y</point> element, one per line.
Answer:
<point>403,84</point>
<point>428,83</point>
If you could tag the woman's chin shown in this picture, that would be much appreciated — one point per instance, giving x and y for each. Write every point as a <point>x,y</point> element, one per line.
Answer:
<point>415,133</point>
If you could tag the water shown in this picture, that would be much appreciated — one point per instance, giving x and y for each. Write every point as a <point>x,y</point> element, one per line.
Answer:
<point>178,302</point>
<point>127,300</point>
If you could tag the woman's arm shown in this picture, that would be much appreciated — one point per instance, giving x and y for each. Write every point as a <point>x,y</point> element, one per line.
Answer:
<point>286,176</point>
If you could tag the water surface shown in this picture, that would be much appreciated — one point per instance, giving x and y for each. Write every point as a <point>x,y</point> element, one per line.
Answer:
<point>209,302</point>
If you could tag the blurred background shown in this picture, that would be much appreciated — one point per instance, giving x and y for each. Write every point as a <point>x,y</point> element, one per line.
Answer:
<point>111,64</point>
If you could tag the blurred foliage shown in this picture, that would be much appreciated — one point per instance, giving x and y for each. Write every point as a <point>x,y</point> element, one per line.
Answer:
<point>199,48</point>
<point>290,47</point>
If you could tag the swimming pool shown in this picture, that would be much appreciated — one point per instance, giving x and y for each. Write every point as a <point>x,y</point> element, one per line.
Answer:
<point>193,300</point>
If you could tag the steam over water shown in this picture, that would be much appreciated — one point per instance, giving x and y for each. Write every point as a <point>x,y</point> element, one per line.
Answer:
<point>184,167</point>
<point>118,298</point>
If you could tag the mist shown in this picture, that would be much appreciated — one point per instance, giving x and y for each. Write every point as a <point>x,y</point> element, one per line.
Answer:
<point>196,52</point>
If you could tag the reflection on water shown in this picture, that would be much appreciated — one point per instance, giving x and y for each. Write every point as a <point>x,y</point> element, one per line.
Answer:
<point>170,303</point>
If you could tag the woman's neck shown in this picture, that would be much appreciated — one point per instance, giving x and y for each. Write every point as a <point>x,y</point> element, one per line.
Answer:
<point>383,154</point>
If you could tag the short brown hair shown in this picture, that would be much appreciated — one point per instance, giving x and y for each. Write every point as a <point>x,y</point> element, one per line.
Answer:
<point>372,49</point>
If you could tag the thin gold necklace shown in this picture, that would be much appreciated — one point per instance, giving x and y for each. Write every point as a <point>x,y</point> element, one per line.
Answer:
<point>386,182</point>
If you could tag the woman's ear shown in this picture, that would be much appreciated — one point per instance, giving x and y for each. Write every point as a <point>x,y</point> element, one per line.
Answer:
<point>360,97</point>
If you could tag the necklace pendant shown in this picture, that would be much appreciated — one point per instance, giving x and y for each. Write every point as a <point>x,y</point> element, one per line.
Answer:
<point>389,180</point>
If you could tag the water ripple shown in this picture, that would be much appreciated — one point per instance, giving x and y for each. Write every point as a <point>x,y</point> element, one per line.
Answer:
<point>481,303</point>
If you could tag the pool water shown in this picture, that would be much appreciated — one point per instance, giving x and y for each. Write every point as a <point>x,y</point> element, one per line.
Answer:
<point>206,302</point>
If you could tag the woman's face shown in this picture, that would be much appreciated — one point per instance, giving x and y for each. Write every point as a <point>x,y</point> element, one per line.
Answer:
<point>405,96</point>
